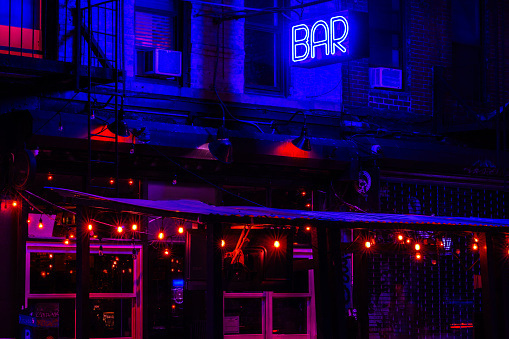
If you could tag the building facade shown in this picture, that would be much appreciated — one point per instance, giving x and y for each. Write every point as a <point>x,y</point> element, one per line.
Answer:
<point>341,105</point>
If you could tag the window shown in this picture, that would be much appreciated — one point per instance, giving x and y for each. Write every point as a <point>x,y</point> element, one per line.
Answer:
<point>155,29</point>
<point>20,28</point>
<point>385,33</point>
<point>263,65</point>
<point>114,294</point>
<point>467,69</point>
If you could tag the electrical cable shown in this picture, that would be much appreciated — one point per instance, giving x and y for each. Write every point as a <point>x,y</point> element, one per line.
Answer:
<point>57,113</point>
<point>221,103</point>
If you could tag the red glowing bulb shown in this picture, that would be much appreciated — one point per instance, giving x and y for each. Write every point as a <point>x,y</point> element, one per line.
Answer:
<point>14,203</point>
<point>475,247</point>
<point>134,227</point>
<point>417,247</point>
<point>418,256</point>
<point>166,252</point>
<point>223,243</point>
<point>277,244</point>
<point>367,244</point>
<point>160,235</point>
<point>181,230</point>
<point>40,223</point>
<point>120,229</point>
<point>400,237</point>
<point>112,181</point>
<point>131,182</point>
<point>50,177</point>
<point>90,227</point>
<point>66,241</point>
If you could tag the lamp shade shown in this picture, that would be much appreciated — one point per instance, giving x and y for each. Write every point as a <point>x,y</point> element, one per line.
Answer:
<point>123,130</point>
<point>221,148</point>
<point>302,142</point>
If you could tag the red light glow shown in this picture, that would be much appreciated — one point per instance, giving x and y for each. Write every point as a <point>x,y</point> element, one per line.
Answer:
<point>418,256</point>
<point>181,230</point>
<point>90,227</point>
<point>131,182</point>
<point>462,325</point>
<point>14,203</point>
<point>120,229</point>
<point>223,243</point>
<point>400,237</point>
<point>476,239</point>
<point>367,244</point>
<point>308,228</point>
<point>166,252</point>
<point>50,177</point>
<point>66,241</point>
<point>303,193</point>
<point>408,241</point>
<point>417,247</point>
<point>160,236</point>
<point>112,181</point>
<point>475,247</point>
<point>277,244</point>
<point>50,255</point>
<point>134,227</point>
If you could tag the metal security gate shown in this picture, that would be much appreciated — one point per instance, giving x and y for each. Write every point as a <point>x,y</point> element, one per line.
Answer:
<point>437,295</point>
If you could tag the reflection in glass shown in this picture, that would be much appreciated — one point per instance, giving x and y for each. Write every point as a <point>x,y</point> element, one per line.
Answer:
<point>110,318</point>
<point>65,316</point>
<point>248,311</point>
<point>56,273</point>
<point>289,315</point>
<point>259,65</point>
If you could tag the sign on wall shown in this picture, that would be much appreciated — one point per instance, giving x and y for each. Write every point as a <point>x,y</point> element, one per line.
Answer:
<point>329,39</point>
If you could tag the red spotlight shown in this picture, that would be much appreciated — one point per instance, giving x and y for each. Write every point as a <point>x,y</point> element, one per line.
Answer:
<point>277,244</point>
<point>367,244</point>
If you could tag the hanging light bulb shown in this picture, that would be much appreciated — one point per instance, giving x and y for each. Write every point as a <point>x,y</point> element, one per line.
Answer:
<point>66,241</point>
<point>160,235</point>
<point>181,230</point>
<point>418,256</point>
<point>134,227</point>
<point>14,203</point>
<point>475,247</point>
<point>90,227</point>
<point>40,223</point>
<point>277,244</point>
<point>367,244</point>
<point>417,247</point>
<point>120,229</point>
<point>400,237</point>
<point>166,252</point>
<point>222,243</point>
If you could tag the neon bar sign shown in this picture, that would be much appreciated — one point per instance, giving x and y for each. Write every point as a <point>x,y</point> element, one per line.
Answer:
<point>306,42</point>
<point>327,40</point>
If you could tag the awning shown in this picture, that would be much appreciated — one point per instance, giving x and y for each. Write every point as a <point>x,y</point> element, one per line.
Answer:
<point>279,216</point>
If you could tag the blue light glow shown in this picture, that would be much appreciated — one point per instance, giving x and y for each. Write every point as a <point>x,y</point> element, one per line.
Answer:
<point>178,283</point>
<point>317,43</point>
<point>296,42</point>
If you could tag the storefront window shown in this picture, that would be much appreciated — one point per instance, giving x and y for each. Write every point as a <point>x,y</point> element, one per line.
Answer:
<point>289,315</point>
<point>243,315</point>
<point>56,273</point>
<point>110,318</point>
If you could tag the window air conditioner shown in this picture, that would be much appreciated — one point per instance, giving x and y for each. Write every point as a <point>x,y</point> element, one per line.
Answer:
<point>385,78</point>
<point>159,62</point>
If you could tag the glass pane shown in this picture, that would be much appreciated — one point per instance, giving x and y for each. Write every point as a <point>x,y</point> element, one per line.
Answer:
<point>65,327</point>
<point>264,19</point>
<point>154,31</point>
<point>110,318</point>
<point>289,315</point>
<point>56,273</point>
<point>259,63</point>
<point>243,315</point>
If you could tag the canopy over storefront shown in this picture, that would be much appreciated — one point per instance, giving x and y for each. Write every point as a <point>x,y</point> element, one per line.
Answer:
<point>198,210</point>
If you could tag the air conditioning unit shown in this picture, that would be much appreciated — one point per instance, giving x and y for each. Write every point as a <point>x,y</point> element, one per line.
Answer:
<point>159,62</point>
<point>385,78</point>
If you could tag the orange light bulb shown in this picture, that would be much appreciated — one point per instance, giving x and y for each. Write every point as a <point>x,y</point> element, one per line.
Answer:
<point>475,247</point>
<point>160,235</point>
<point>14,203</point>
<point>181,230</point>
<point>134,227</point>
<point>223,243</point>
<point>90,227</point>
<point>277,244</point>
<point>417,247</point>
<point>418,256</point>
<point>400,237</point>
<point>367,244</point>
<point>120,229</point>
